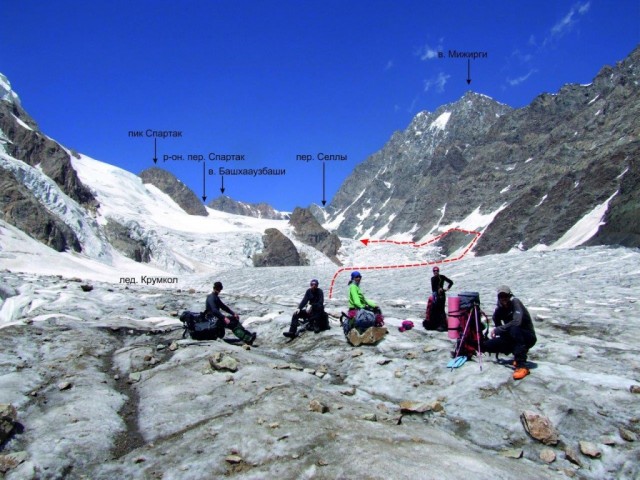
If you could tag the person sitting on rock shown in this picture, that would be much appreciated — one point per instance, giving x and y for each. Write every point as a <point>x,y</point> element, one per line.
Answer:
<point>439,298</point>
<point>363,313</point>
<point>214,308</point>
<point>357,299</point>
<point>513,332</point>
<point>311,308</point>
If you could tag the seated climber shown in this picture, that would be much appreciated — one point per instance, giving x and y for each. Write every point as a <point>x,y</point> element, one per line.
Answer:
<point>214,308</point>
<point>513,332</point>
<point>311,309</point>
<point>363,313</point>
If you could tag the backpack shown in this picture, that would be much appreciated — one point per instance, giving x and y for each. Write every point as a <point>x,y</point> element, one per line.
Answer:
<point>430,321</point>
<point>361,319</point>
<point>201,328</point>
<point>471,330</point>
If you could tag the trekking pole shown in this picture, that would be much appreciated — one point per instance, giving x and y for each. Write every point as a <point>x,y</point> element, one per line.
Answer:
<point>478,333</point>
<point>466,325</point>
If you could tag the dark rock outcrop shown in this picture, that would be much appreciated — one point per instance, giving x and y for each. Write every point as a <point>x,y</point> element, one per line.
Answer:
<point>21,209</point>
<point>278,251</point>
<point>28,144</point>
<point>258,210</point>
<point>18,206</point>
<point>622,220</point>
<point>121,239</point>
<point>309,231</point>
<point>178,191</point>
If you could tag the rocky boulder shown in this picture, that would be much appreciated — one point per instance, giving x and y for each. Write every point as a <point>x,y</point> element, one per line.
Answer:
<point>309,231</point>
<point>278,251</point>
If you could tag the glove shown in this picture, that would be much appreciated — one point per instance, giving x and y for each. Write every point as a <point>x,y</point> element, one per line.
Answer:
<point>297,311</point>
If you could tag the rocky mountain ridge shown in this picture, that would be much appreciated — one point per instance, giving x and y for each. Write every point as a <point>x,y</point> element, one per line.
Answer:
<point>523,176</point>
<point>226,204</point>
<point>178,191</point>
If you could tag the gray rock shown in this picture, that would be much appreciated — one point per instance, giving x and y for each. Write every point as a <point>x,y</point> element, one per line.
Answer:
<point>11,460</point>
<point>547,455</point>
<point>572,455</point>
<point>223,362</point>
<point>278,251</point>
<point>309,231</point>
<point>513,453</point>
<point>318,407</point>
<point>627,435</point>
<point>8,418</point>
<point>590,449</point>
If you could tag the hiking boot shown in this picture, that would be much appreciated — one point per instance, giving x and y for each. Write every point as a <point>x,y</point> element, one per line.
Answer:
<point>252,338</point>
<point>520,373</point>
<point>316,328</point>
<point>290,334</point>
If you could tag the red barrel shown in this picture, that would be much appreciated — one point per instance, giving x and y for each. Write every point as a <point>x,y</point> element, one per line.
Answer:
<point>453,321</point>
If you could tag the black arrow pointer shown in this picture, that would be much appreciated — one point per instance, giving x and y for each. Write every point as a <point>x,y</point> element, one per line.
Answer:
<point>204,183</point>
<point>155,150</point>
<point>324,201</point>
<point>222,187</point>
<point>468,71</point>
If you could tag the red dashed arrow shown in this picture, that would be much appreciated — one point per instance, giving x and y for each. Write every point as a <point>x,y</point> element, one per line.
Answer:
<point>367,241</point>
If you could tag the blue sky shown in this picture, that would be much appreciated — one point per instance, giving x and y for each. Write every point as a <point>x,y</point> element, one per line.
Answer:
<point>274,79</point>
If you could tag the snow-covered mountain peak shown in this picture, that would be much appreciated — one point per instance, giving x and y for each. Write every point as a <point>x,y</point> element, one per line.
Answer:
<point>6,92</point>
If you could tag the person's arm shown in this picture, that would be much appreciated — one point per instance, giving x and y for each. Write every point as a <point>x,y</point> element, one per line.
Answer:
<point>305,300</point>
<point>449,281</point>
<point>212,308</point>
<point>320,303</point>
<point>225,308</point>
<point>518,313</point>
<point>498,322</point>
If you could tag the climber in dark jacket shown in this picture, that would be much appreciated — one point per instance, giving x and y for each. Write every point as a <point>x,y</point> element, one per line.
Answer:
<point>214,308</point>
<point>439,298</point>
<point>311,307</point>
<point>513,332</point>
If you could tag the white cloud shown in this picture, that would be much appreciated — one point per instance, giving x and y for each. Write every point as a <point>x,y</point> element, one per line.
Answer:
<point>428,53</point>
<point>517,81</point>
<point>567,22</point>
<point>437,83</point>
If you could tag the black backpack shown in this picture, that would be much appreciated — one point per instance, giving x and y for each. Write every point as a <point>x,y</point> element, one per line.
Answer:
<point>201,328</point>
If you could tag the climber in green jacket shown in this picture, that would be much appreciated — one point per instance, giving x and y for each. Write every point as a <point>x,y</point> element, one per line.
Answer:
<point>356,297</point>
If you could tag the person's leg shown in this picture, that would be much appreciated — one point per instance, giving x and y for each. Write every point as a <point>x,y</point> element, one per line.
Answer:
<point>293,328</point>
<point>239,331</point>
<point>502,344</point>
<point>523,340</point>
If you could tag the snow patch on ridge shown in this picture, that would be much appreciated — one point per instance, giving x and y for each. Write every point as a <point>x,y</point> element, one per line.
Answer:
<point>475,221</point>
<point>441,122</point>
<point>585,228</point>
